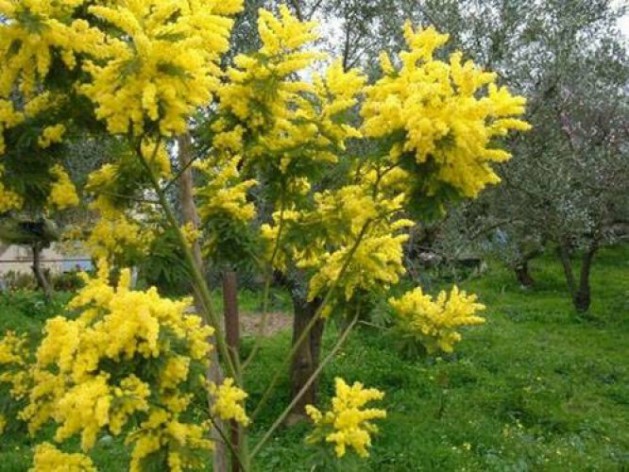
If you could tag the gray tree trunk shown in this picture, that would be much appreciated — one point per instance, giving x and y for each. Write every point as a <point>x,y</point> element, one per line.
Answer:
<point>190,215</point>
<point>306,358</point>
<point>40,276</point>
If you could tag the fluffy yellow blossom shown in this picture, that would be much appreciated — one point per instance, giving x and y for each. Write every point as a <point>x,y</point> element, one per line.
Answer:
<point>190,233</point>
<point>9,200</point>
<point>12,347</point>
<point>290,127</point>
<point>84,408</point>
<point>77,374</point>
<point>50,135</point>
<point>62,192</point>
<point>348,423</point>
<point>442,113</point>
<point>116,233</point>
<point>162,432</point>
<point>434,323</point>
<point>122,233</point>
<point>340,218</point>
<point>48,458</point>
<point>225,194</point>
<point>378,260</point>
<point>156,154</point>
<point>14,358</point>
<point>47,389</point>
<point>9,117</point>
<point>174,372</point>
<point>161,61</point>
<point>32,32</point>
<point>227,402</point>
<point>280,56</point>
<point>129,397</point>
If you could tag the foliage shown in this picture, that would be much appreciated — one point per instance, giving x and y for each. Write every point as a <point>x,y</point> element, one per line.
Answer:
<point>142,74</point>
<point>13,280</point>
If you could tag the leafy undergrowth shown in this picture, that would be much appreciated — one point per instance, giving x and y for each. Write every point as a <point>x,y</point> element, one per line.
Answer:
<point>537,387</point>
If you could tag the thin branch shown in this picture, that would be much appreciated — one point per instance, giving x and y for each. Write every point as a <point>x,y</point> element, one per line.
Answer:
<point>180,173</point>
<point>226,441</point>
<point>267,287</point>
<point>304,389</point>
<point>311,323</point>
<point>130,198</point>
<point>295,4</point>
<point>199,280</point>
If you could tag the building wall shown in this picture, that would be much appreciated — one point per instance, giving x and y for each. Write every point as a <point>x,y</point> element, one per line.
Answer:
<point>20,259</point>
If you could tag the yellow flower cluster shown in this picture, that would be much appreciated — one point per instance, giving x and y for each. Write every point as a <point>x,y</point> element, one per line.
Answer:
<point>50,135</point>
<point>259,85</point>
<point>124,230</point>
<point>14,356</point>
<point>434,323</point>
<point>287,126</point>
<point>117,234</point>
<point>32,34</point>
<point>9,200</point>
<point>11,348</point>
<point>48,458</point>
<point>339,218</point>
<point>129,354</point>
<point>156,155</point>
<point>225,193</point>
<point>15,380</point>
<point>160,61</point>
<point>62,192</point>
<point>444,113</point>
<point>227,402</point>
<point>190,233</point>
<point>33,31</point>
<point>348,423</point>
<point>163,432</point>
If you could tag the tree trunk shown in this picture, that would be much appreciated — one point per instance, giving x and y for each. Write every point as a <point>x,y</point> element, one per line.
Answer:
<point>582,296</point>
<point>190,215</point>
<point>306,358</point>
<point>42,282</point>
<point>523,275</point>
<point>579,292</point>
<point>566,263</point>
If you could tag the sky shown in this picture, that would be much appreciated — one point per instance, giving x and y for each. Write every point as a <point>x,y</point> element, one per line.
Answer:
<point>623,23</point>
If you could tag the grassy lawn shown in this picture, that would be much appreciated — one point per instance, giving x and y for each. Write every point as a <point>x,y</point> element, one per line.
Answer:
<point>535,388</point>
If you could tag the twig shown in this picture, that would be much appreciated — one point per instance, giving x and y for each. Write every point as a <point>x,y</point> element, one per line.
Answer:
<point>303,390</point>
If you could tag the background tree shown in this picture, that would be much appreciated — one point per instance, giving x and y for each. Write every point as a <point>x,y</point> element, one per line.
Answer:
<point>567,188</point>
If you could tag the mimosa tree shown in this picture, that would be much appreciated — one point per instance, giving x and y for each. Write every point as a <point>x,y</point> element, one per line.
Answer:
<point>144,73</point>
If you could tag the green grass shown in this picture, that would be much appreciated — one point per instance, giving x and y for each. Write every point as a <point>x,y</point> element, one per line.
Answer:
<point>537,387</point>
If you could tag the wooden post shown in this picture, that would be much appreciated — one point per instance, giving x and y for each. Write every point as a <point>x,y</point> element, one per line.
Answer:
<point>232,334</point>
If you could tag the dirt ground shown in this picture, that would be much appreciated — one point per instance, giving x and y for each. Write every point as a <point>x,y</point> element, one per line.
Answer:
<point>276,322</point>
<point>250,323</point>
